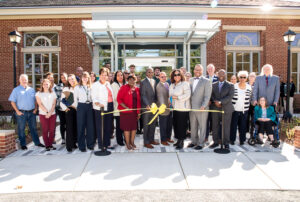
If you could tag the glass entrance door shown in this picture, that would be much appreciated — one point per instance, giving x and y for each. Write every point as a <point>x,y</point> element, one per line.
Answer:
<point>165,64</point>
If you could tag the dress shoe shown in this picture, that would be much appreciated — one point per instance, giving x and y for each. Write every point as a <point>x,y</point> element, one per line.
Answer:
<point>198,147</point>
<point>214,145</point>
<point>242,143</point>
<point>53,148</point>
<point>170,141</point>
<point>149,146</point>
<point>176,144</point>
<point>91,148</point>
<point>40,145</point>
<point>165,143</point>
<point>47,148</point>
<point>232,142</point>
<point>24,148</point>
<point>154,143</point>
<point>110,147</point>
<point>226,146</point>
<point>191,145</point>
<point>63,141</point>
<point>259,141</point>
<point>83,150</point>
<point>180,145</point>
<point>121,144</point>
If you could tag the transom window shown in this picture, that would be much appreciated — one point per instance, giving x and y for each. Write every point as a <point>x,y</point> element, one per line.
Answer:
<point>41,39</point>
<point>296,42</point>
<point>242,39</point>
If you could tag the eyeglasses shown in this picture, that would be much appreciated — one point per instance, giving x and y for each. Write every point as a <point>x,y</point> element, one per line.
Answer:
<point>176,74</point>
<point>126,73</point>
<point>243,77</point>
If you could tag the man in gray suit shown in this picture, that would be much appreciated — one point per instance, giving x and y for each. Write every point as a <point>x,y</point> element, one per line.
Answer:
<point>201,92</point>
<point>165,119</point>
<point>221,99</point>
<point>147,89</point>
<point>267,85</point>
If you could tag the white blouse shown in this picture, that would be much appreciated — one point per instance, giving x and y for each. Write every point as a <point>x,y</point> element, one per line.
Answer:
<point>47,100</point>
<point>82,94</point>
<point>100,94</point>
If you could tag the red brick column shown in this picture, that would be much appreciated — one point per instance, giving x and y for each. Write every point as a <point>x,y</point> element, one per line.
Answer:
<point>7,142</point>
<point>297,137</point>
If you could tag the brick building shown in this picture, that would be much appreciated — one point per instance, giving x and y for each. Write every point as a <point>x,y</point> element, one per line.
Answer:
<point>60,35</point>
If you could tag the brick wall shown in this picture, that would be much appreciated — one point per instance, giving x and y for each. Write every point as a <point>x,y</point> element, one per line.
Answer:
<point>74,50</point>
<point>7,142</point>
<point>274,48</point>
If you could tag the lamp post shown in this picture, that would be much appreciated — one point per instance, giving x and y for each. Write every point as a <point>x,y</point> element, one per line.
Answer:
<point>288,37</point>
<point>15,38</point>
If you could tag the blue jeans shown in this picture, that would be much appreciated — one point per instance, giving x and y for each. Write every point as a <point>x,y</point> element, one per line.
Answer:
<point>30,118</point>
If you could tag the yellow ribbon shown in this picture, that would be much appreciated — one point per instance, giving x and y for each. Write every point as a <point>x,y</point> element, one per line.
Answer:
<point>161,110</point>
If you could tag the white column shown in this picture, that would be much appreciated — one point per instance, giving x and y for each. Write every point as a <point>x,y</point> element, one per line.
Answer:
<point>112,62</point>
<point>95,65</point>
<point>188,57</point>
<point>203,56</point>
<point>184,55</point>
<point>116,56</point>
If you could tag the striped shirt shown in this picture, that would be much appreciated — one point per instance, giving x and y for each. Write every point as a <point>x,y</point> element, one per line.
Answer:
<point>241,98</point>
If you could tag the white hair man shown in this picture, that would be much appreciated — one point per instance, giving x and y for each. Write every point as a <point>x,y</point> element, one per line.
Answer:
<point>266,85</point>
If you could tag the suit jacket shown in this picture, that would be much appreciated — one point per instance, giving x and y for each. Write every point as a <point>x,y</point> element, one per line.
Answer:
<point>162,96</point>
<point>215,78</point>
<point>225,96</point>
<point>201,95</point>
<point>271,92</point>
<point>147,93</point>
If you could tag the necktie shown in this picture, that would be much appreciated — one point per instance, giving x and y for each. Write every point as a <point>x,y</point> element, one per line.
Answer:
<point>166,86</point>
<point>267,81</point>
<point>220,86</point>
<point>196,78</point>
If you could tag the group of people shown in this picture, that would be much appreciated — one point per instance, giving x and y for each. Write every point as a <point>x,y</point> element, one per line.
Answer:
<point>80,99</point>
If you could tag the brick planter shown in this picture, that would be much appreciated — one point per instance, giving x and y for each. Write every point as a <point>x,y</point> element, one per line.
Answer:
<point>7,142</point>
<point>297,137</point>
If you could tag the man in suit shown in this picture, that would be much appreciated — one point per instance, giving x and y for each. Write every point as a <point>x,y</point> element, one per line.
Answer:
<point>201,92</point>
<point>212,78</point>
<point>165,119</point>
<point>221,99</point>
<point>148,93</point>
<point>267,85</point>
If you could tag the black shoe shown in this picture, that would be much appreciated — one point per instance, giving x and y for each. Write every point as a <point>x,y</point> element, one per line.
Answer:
<point>176,144</point>
<point>63,141</point>
<point>69,150</point>
<point>180,145</point>
<point>226,146</point>
<point>53,148</point>
<point>198,147</point>
<point>121,144</point>
<point>242,143</point>
<point>214,145</point>
<point>24,148</point>
<point>47,148</point>
<point>92,149</point>
<point>40,145</point>
<point>191,145</point>
<point>83,150</point>
<point>259,141</point>
<point>110,147</point>
<point>75,147</point>
<point>232,142</point>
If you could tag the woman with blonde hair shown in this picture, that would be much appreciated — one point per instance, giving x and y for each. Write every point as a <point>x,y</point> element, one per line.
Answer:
<point>46,100</point>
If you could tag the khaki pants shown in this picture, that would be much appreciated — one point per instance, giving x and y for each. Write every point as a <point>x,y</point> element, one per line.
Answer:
<point>291,105</point>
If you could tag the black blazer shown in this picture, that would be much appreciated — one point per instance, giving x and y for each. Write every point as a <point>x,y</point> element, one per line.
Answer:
<point>225,96</point>
<point>148,95</point>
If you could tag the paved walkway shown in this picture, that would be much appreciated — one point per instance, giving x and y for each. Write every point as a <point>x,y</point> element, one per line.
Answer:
<point>246,167</point>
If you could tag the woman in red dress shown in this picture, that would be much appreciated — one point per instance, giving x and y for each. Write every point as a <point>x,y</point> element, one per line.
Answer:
<point>129,98</point>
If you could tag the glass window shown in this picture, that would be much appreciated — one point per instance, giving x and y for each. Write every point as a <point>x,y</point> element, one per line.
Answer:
<point>238,61</point>
<point>295,69</point>
<point>36,65</point>
<point>242,38</point>
<point>104,55</point>
<point>41,39</point>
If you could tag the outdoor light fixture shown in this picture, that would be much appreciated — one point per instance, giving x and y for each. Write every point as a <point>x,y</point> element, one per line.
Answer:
<point>288,37</point>
<point>15,38</point>
<point>267,7</point>
<point>214,3</point>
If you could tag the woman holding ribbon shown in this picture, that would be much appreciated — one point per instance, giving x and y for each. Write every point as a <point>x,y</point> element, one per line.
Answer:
<point>129,98</point>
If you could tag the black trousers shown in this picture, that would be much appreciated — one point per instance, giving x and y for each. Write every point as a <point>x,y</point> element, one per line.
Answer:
<point>165,125</point>
<point>265,126</point>
<point>217,129</point>
<point>71,128</point>
<point>85,126</point>
<point>149,130</point>
<point>62,122</point>
<point>250,119</point>
<point>180,124</point>
<point>119,132</point>
<point>238,121</point>
<point>108,119</point>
